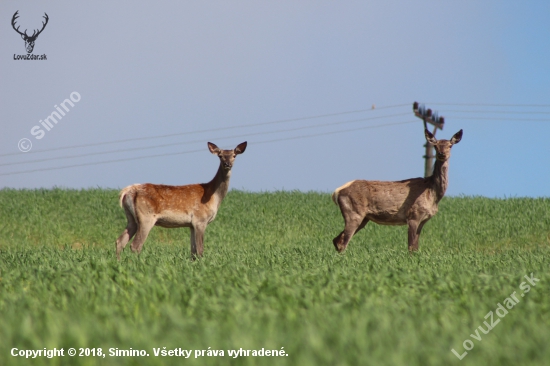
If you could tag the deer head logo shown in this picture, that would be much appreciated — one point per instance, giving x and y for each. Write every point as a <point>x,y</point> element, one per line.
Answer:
<point>29,40</point>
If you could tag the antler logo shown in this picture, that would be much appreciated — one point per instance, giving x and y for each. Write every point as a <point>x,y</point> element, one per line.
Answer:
<point>29,40</point>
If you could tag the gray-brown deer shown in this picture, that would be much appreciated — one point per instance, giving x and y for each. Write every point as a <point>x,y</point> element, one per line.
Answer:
<point>409,202</point>
<point>193,206</point>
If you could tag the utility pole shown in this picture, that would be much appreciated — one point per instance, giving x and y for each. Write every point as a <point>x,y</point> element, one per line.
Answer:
<point>428,116</point>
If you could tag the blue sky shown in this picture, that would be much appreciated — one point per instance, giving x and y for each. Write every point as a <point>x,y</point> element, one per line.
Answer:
<point>157,80</point>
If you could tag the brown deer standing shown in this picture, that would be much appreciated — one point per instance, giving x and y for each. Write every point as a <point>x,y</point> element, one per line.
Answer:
<point>193,206</point>
<point>409,202</point>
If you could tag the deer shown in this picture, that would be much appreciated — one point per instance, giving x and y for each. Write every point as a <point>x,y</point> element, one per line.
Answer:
<point>194,205</point>
<point>409,202</point>
<point>29,40</point>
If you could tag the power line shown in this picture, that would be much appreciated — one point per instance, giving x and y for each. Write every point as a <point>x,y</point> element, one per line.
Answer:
<point>198,150</point>
<point>273,132</point>
<point>494,105</point>
<point>202,140</point>
<point>502,119</point>
<point>334,132</point>
<point>495,112</point>
<point>289,120</point>
<point>208,130</point>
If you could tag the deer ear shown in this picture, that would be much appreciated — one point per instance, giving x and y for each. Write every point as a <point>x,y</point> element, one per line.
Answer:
<point>240,148</point>
<point>456,138</point>
<point>213,148</point>
<point>429,137</point>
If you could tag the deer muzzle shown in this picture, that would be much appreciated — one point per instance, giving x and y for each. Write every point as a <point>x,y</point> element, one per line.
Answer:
<point>441,157</point>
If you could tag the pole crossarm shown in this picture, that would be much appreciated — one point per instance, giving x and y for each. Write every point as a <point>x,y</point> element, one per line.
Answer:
<point>427,116</point>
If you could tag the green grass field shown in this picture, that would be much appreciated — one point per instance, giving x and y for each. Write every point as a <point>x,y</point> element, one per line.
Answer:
<point>271,279</point>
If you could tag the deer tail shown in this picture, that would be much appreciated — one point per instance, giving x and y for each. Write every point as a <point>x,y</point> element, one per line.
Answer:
<point>335,197</point>
<point>127,198</point>
<point>337,191</point>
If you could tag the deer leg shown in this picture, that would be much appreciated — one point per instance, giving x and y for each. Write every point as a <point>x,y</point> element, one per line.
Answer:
<point>353,224</point>
<point>365,222</point>
<point>197,238</point>
<point>193,244</point>
<point>144,226</point>
<point>127,234</point>
<point>418,231</point>
<point>414,234</point>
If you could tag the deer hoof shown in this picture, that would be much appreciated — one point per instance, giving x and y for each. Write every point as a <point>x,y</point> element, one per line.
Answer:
<point>338,244</point>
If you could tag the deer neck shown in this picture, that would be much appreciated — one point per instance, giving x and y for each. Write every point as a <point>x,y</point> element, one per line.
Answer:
<point>220,184</point>
<point>440,178</point>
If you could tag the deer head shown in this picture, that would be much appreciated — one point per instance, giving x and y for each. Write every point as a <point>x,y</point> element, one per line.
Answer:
<point>227,157</point>
<point>443,147</point>
<point>29,40</point>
